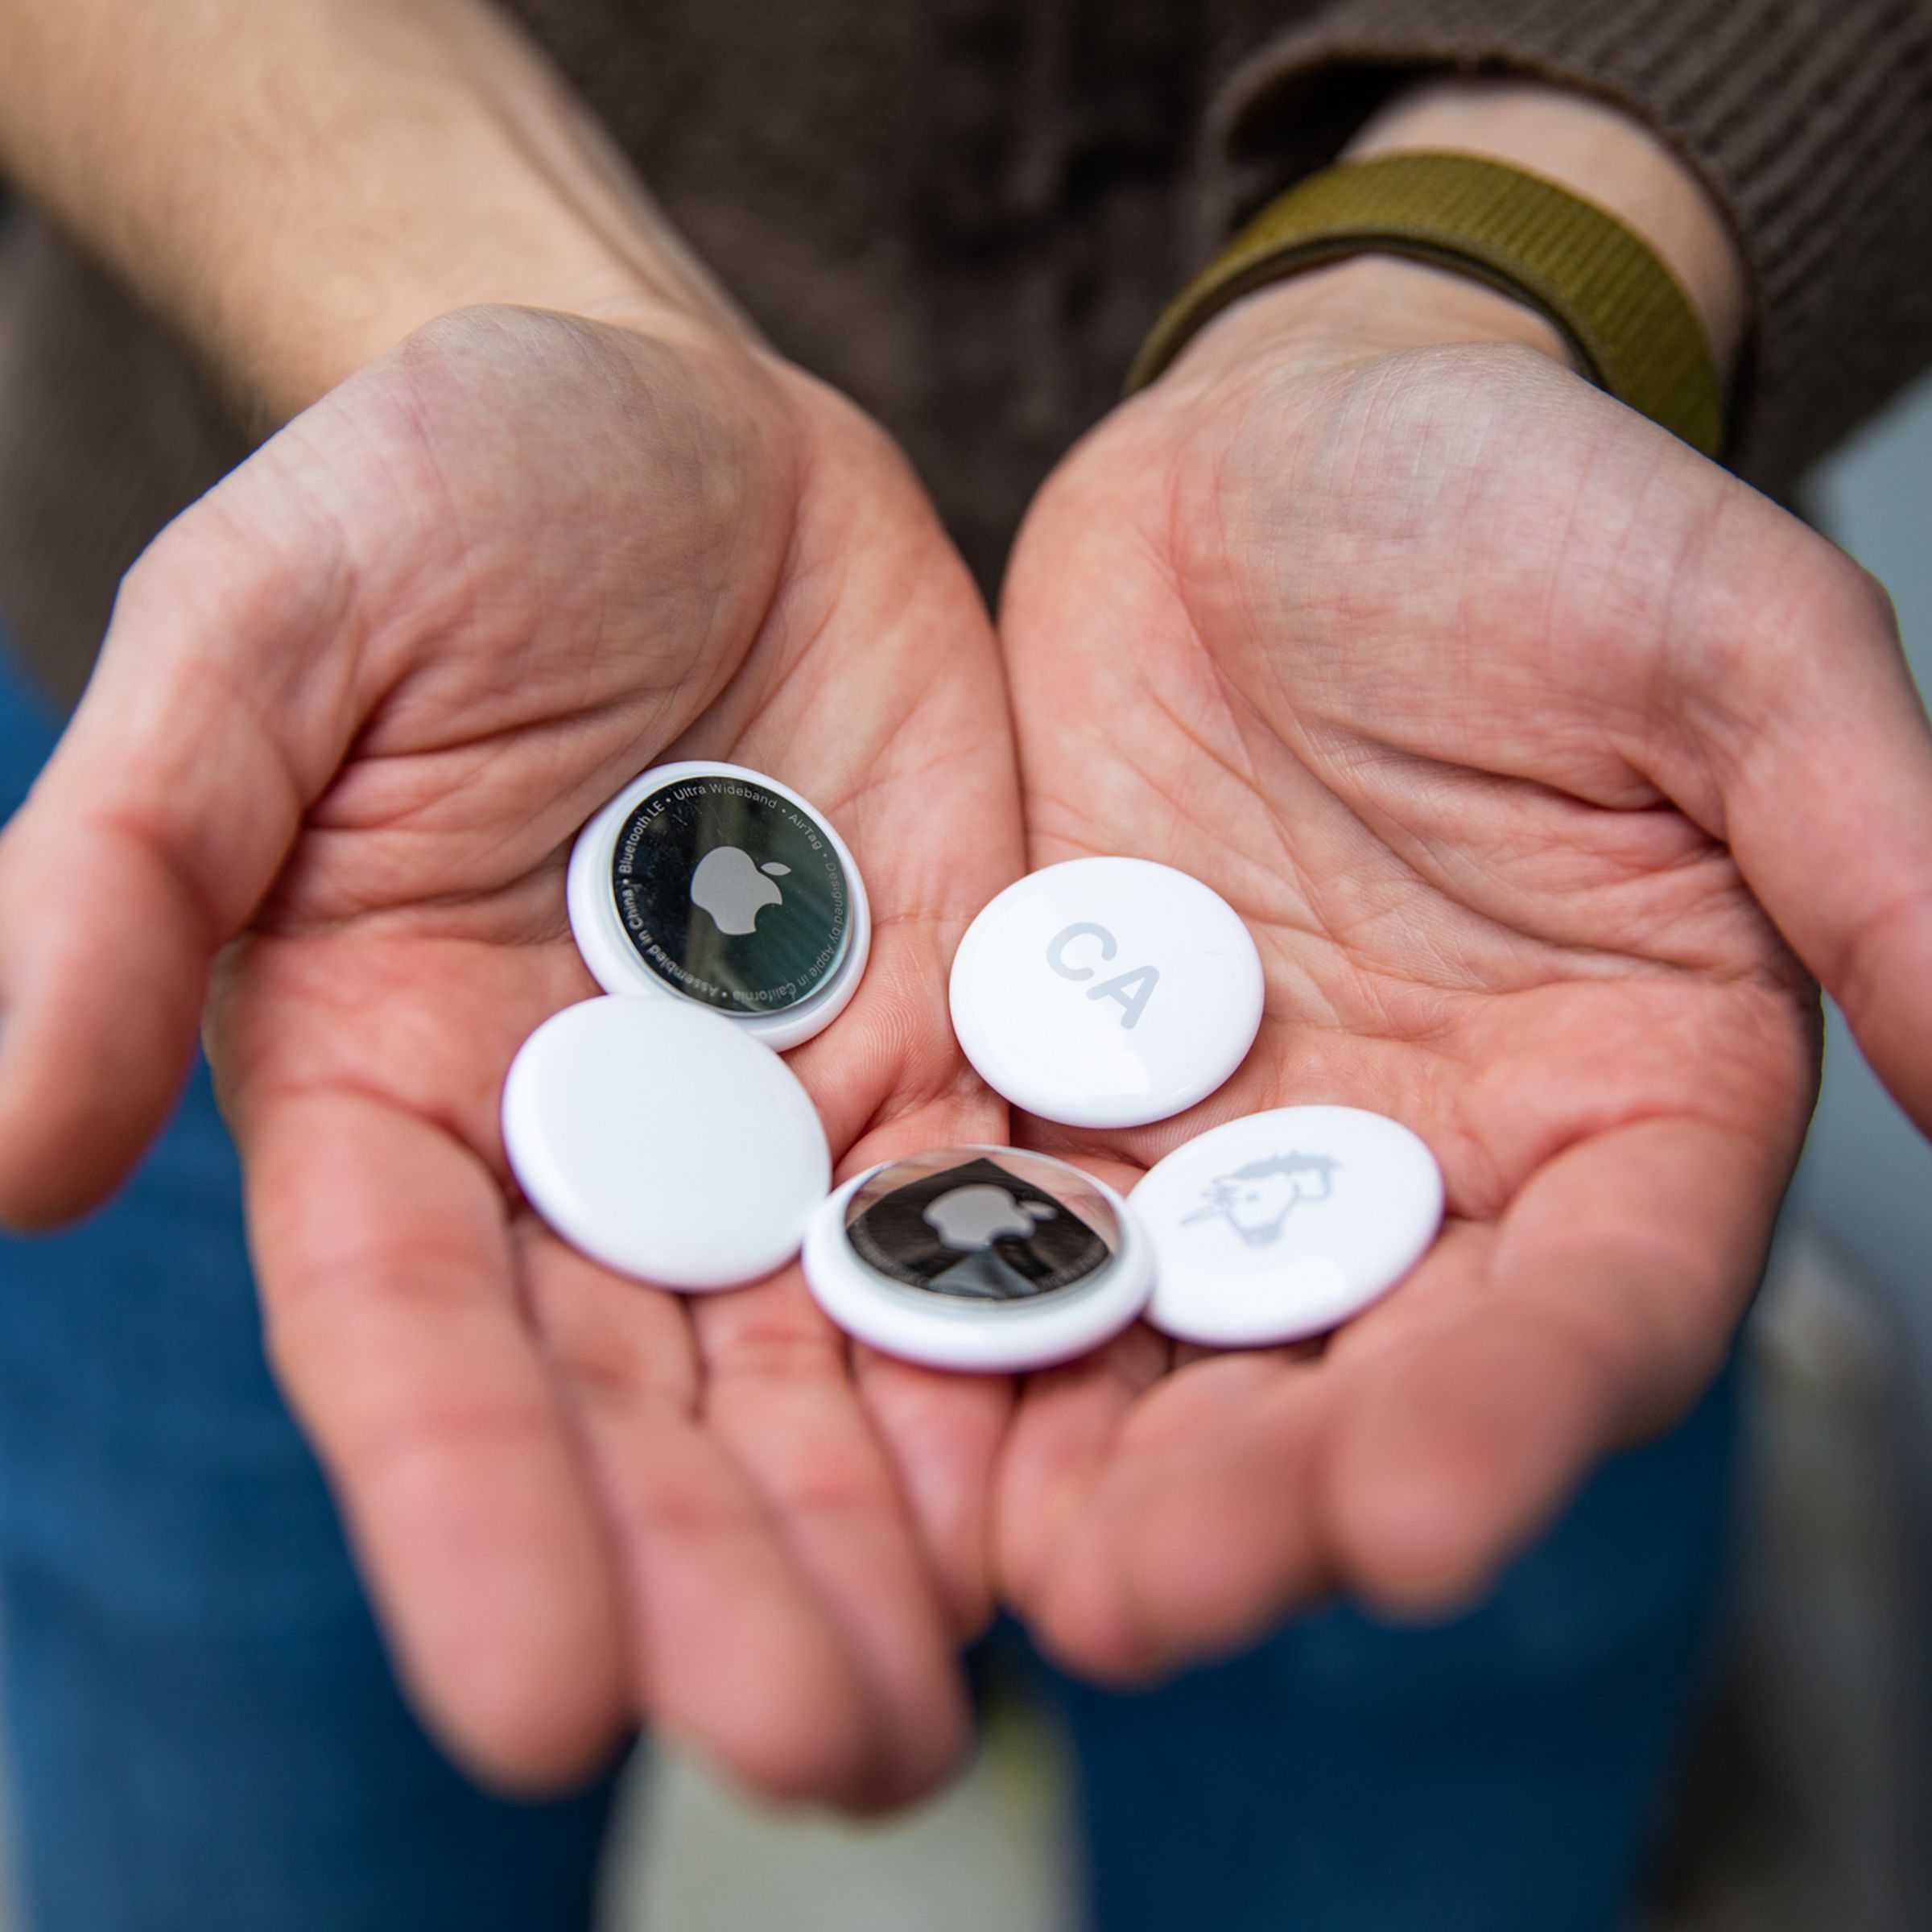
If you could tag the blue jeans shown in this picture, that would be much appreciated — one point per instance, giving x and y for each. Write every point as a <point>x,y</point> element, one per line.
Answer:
<point>205,1735</point>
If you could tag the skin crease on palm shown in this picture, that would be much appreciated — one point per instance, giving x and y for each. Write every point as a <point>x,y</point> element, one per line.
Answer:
<point>1502,718</point>
<point>576,1498</point>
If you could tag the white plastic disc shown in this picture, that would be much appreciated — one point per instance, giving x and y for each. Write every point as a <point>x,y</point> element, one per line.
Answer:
<point>978,1257</point>
<point>718,885</point>
<point>665,1142</point>
<point>1105,992</point>
<point>1283,1224</point>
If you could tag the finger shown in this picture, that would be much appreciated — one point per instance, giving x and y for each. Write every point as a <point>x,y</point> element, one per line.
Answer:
<point>892,1060</point>
<point>216,714</point>
<point>900,728</point>
<point>1197,1527</point>
<point>393,1321</point>
<point>889,1080</point>
<point>1615,1281</point>
<point>942,1434</point>
<point>732,1652</point>
<point>1811,728</point>
<point>942,1431</point>
<point>1065,1429</point>
<point>778,1393</point>
<point>1216,1537</point>
<point>1204,1523</point>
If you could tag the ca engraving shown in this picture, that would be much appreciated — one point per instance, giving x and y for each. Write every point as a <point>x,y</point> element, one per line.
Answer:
<point>1130,990</point>
<point>1257,1200</point>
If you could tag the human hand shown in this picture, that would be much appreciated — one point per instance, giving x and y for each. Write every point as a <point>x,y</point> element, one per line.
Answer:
<point>352,709</point>
<point>1532,748</point>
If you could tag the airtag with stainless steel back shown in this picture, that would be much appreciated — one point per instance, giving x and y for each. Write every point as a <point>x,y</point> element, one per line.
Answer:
<point>978,1257</point>
<point>715,884</point>
<point>1285,1224</point>
<point>1106,993</point>
<point>664,1142</point>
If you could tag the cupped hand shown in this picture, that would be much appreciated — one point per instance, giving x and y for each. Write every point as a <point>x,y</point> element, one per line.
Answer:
<point>352,708</point>
<point>1546,762</point>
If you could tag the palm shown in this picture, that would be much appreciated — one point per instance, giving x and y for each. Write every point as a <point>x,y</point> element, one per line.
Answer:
<point>564,554</point>
<point>1402,657</point>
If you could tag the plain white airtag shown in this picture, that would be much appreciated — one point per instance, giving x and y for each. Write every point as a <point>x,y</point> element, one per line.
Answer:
<point>715,884</point>
<point>1106,993</point>
<point>978,1257</point>
<point>665,1142</point>
<point>1283,1224</point>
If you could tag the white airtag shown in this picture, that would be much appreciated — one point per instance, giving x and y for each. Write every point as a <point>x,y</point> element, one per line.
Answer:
<point>665,1142</point>
<point>978,1257</point>
<point>1106,993</point>
<point>1283,1224</point>
<point>715,884</point>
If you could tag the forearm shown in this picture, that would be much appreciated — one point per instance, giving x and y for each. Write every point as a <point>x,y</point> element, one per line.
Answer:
<point>295,187</point>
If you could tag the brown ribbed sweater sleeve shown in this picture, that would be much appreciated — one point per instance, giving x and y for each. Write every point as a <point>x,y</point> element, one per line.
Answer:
<point>1811,121</point>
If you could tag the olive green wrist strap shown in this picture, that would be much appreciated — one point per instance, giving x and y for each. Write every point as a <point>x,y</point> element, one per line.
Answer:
<point>1619,309</point>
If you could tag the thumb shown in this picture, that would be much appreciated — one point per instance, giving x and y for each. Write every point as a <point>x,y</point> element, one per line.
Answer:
<point>1820,749</point>
<point>222,704</point>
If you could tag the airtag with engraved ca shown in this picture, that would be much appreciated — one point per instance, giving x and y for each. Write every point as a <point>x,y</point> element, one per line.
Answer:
<point>715,884</point>
<point>978,1257</point>
<point>1285,1224</point>
<point>1106,993</point>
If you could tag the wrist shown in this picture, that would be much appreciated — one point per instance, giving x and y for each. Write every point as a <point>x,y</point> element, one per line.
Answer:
<point>1366,306</point>
<point>554,222</point>
<point>1374,303</point>
<point>1597,152</point>
<point>280,342</point>
<point>276,360</point>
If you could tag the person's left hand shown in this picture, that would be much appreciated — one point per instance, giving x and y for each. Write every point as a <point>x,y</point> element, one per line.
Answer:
<point>1536,752</point>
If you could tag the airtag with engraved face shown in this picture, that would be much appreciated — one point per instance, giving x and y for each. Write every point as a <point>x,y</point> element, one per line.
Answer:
<point>665,1142</point>
<point>1285,1224</point>
<point>1106,993</point>
<point>978,1257</point>
<point>713,884</point>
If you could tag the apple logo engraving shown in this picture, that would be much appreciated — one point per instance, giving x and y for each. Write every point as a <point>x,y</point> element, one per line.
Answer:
<point>972,1219</point>
<point>733,896</point>
<point>958,1223</point>
<point>733,890</point>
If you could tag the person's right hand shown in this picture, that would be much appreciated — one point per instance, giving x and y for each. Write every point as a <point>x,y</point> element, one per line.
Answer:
<point>352,709</point>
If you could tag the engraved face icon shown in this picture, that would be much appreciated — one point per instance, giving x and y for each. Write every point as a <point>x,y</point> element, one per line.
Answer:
<point>1256,1200</point>
<point>733,889</point>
